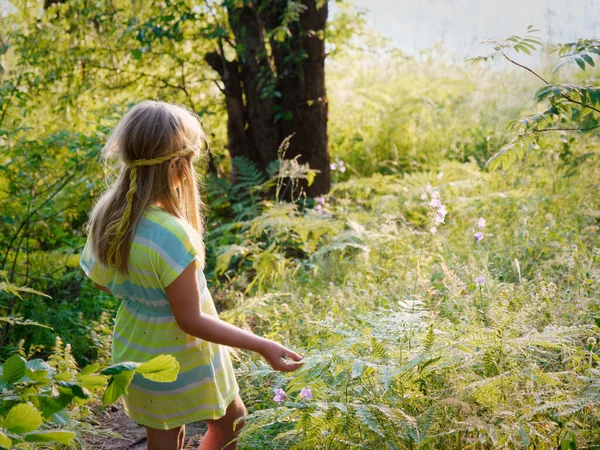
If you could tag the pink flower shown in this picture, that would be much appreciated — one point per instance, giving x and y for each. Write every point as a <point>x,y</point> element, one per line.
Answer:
<point>279,395</point>
<point>319,209</point>
<point>341,166</point>
<point>478,236</point>
<point>433,230</point>
<point>306,393</point>
<point>333,166</point>
<point>320,199</point>
<point>435,203</point>
<point>441,215</point>
<point>481,223</point>
<point>480,280</point>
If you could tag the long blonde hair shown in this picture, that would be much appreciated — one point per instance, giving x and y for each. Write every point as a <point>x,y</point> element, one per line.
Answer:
<point>147,138</point>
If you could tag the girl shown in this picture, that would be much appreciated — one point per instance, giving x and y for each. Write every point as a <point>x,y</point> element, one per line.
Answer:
<point>145,246</point>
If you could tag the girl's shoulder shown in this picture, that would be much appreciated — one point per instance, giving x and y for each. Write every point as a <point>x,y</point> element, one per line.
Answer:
<point>167,226</point>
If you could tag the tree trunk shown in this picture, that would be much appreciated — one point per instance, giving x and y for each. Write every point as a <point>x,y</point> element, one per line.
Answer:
<point>271,95</point>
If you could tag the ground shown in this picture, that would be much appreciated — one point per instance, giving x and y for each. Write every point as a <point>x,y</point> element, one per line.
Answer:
<point>132,436</point>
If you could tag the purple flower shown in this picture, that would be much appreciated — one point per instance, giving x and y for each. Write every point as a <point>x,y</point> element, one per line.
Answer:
<point>480,280</point>
<point>435,194</point>
<point>423,196</point>
<point>279,395</point>
<point>333,166</point>
<point>478,236</point>
<point>481,223</point>
<point>306,393</point>
<point>433,230</point>
<point>319,208</point>
<point>441,215</point>
<point>320,199</point>
<point>435,203</point>
<point>341,166</point>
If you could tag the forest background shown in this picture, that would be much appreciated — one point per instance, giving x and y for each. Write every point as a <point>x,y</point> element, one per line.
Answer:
<point>441,304</point>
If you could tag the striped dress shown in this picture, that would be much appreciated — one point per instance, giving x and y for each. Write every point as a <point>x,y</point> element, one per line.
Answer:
<point>162,248</point>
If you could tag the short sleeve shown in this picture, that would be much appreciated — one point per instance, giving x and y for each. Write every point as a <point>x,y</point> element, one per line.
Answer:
<point>95,271</point>
<point>176,250</point>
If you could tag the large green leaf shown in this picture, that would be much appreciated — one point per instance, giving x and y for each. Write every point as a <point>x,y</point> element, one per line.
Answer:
<point>64,437</point>
<point>13,369</point>
<point>22,418</point>
<point>119,367</point>
<point>117,386</point>
<point>77,390</point>
<point>92,381</point>
<point>5,441</point>
<point>163,368</point>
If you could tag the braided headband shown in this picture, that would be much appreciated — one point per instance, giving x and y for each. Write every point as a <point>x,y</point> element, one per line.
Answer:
<point>120,225</point>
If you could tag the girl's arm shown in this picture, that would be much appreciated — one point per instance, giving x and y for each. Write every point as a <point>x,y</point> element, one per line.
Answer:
<point>184,298</point>
<point>103,288</point>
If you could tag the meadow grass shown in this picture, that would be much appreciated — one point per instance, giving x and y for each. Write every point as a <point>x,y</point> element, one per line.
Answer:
<point>421,340</point>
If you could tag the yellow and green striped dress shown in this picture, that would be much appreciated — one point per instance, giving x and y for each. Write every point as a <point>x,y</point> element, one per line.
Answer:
<point>145,327</point>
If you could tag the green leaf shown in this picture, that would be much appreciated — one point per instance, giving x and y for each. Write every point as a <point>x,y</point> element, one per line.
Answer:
<point>64,437</point>
<point>118,368</point>
<point>13,369</point>
<point>77,390</point>
<point>588,59</point>
<point>22,418</point>
<point>163,368</point>
<point>5,441</point>
<point>357,368</point>
<point>91,381</point>
<point>117,386</point>
<point>580,62</point>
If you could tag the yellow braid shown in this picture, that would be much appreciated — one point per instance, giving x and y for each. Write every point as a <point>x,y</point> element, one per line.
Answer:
<point>120,225</point>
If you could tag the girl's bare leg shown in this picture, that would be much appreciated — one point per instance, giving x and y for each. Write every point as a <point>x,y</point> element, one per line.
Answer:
<point>220,432</point>
<point>166,439</point>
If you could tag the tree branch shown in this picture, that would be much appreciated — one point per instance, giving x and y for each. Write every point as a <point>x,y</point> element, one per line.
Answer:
<point>565,96</point>
<point>564,129</point>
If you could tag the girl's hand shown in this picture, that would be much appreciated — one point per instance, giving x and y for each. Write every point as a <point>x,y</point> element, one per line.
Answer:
<point>274,354</point>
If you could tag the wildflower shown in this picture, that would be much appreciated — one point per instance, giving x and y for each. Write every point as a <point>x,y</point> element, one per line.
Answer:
<point>481,223</point>
<point>441,215</point>
<point>306,393</point>
<point>423,196</point>
<point>435,194</point>
<point>433,230</point>
<point>440,175</point>
<point>339,165</point>
<point>320,199</point>
<point>319,208</point>
<point>435,203</point>
<point>279,395</point>
<point>480,280</point>
<point>478,236</point>
<point>428,188</point>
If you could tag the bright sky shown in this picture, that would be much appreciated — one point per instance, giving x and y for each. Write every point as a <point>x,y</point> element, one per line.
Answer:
<point>462,24</point>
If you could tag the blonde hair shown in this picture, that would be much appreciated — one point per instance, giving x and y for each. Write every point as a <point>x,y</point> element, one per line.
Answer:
<point>147,138</point>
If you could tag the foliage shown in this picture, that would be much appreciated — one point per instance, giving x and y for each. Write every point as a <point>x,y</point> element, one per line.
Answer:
<point>35,394</point>
<point>569,107</point>
<point>405,350</point>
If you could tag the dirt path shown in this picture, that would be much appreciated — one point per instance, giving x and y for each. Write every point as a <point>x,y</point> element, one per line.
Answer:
<point>133,436</point>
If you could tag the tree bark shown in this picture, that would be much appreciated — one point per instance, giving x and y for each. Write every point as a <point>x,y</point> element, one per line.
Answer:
<point>255,75</point>
<point>280,92</point>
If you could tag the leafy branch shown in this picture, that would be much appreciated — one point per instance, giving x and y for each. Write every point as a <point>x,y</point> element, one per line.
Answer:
<point>566,101</point>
